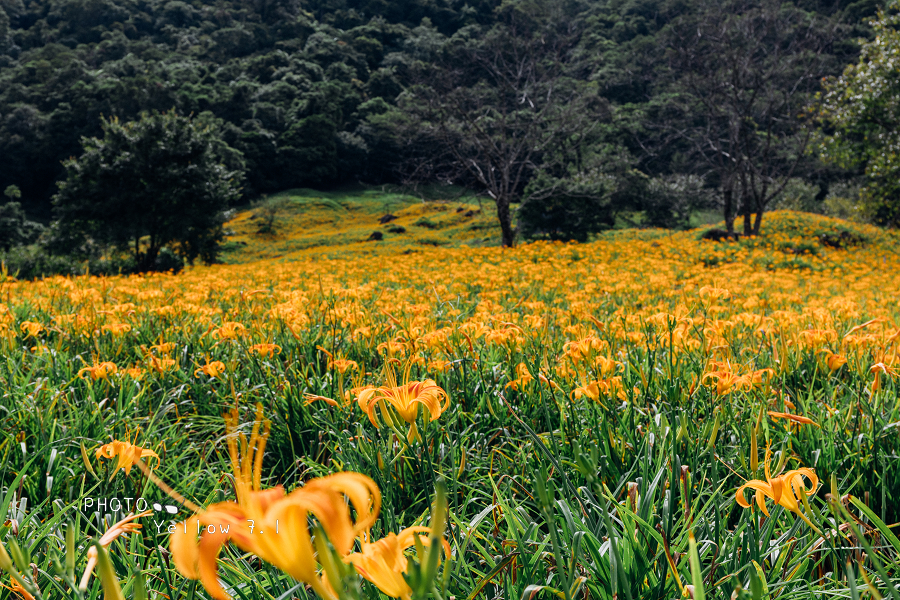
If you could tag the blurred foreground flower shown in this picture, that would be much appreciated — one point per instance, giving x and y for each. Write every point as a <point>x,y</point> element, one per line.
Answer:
<point>15,587</point>
<point>270,524</point>
<point>126,525</point>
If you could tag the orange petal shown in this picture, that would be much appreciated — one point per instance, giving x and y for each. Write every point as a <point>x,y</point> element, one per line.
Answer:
<point>209,547</point>
<point>761,501</point>
<point>184,548</point>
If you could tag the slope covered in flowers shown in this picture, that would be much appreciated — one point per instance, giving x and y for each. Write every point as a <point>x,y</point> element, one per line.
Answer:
<point>599,406</point>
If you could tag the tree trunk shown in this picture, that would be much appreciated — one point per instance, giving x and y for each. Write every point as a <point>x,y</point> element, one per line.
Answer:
<point>729,210</point>
<point>147,260</point>
<point>757,223</point>
<point>748,215</point>
<point>505,218</point>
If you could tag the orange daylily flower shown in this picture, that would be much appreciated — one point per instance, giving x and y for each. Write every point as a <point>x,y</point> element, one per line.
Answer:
<point>161,365</point>
<point>16,587</point>
<point>709,292</point>
<point>270,524</point>
<point>392,348</point>
<point>211,369</point>
<point>405,398</point>
<point>99,371</point>
<point>229,331</point>
<point>834,361</point>
<point>881,368</point>
<point>310,398</point>
<point>441,366</point>
<point>265,350</point>
<point>590,390</point>
<point>116,328</point>
<point>602,388</point>
<point>525,377</point>
<point>126,525</point>
<point>135,373</point>
<point>341,365</point>
<point>785,489</point>
<point>127,453</point>
<point>728,381</point>
<point>164,348</point>
<point>384,564</point>
<point>31,329</point>
<point>792,417</point>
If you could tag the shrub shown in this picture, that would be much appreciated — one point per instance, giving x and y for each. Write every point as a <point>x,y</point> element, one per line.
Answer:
<point>155,182</point>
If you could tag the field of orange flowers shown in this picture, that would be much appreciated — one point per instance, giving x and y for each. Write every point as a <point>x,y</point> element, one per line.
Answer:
<point>647,416</point>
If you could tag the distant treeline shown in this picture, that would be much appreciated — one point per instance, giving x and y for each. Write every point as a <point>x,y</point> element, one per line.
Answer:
<point>311,93</point>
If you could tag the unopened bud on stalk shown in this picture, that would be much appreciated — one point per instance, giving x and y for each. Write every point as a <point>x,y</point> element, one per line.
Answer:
<point>5,561</point>
<point>112,590</point>
<point>715,430</point>
<point>70,551</point>
<point>18,556</point>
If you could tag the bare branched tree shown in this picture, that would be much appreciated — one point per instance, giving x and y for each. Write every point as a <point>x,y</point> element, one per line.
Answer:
<point>496,109</point>
<point>743,73</point>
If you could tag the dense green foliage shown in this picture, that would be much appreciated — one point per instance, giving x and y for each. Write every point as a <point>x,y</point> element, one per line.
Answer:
<point>294,93</point>
<point>862,112</point>
<point>145,185</point>
<point>319,93</point>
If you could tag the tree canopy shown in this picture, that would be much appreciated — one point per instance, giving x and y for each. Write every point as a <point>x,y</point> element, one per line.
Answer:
<point>314,93</point>
<point>861,113</point>
<point>147,184</point>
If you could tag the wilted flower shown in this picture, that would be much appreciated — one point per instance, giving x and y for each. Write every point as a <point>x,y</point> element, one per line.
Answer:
<point>126,525</point>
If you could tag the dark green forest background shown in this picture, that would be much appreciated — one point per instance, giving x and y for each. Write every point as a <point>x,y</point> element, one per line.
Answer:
<point>310,93</point>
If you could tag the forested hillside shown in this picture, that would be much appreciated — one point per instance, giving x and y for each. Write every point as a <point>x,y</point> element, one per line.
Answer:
<point>322,92</point>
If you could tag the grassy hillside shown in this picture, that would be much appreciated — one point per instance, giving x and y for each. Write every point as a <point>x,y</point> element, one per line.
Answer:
<point>297,222</point>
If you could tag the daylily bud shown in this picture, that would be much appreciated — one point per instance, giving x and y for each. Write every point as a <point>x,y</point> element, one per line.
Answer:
<point>715,430</point>
<point>20,558</point>
<point>70,551</point>
<point>5,561</point>
<point>112,590</point>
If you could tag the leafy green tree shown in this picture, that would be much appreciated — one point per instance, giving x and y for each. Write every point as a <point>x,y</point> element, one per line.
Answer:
<point>566,208</point>
<point>15,228</point>
<point>147,184</point>
<point>860,117</point>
